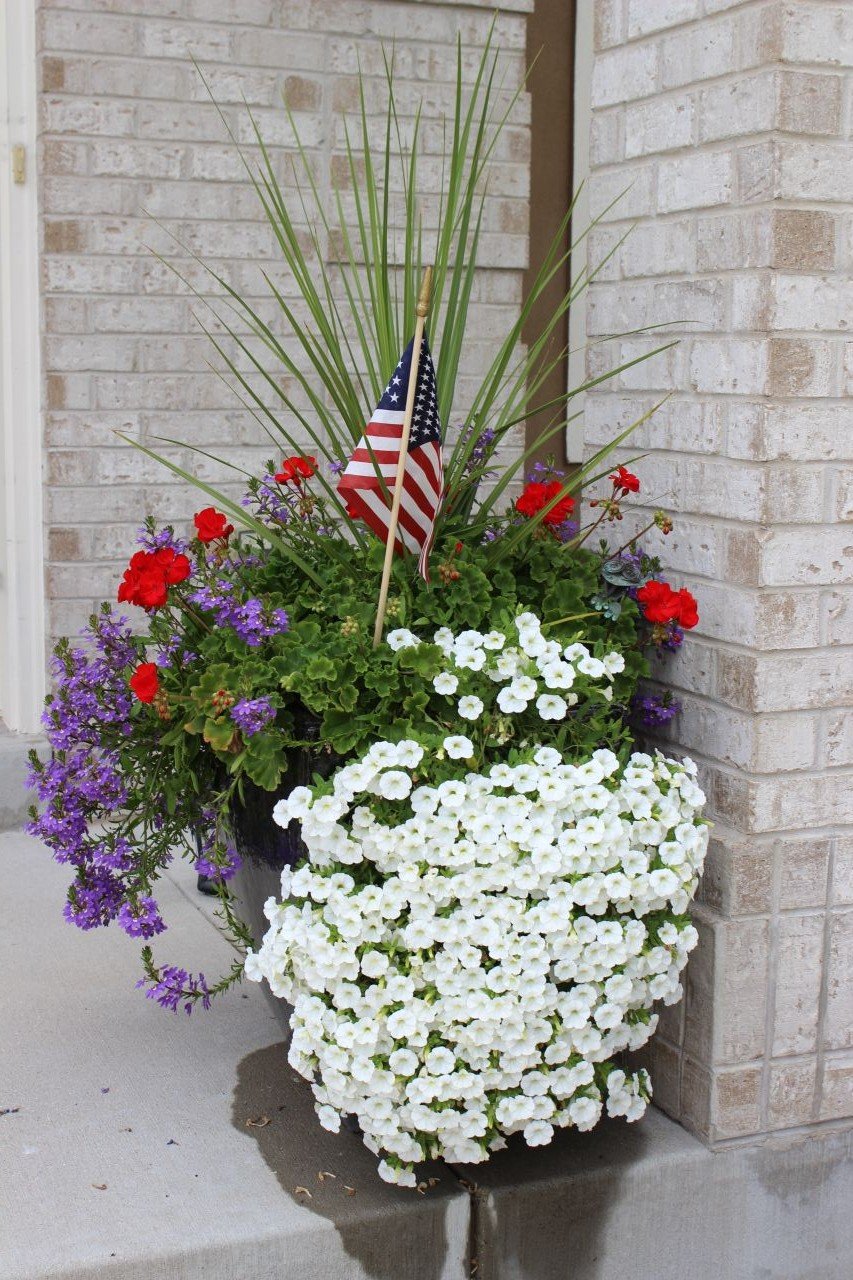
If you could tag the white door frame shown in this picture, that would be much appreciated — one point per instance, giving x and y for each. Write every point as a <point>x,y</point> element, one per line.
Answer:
<point>22,611</point>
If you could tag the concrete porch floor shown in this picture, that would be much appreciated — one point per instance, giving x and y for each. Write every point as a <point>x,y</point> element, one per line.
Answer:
<point>126,1149</point>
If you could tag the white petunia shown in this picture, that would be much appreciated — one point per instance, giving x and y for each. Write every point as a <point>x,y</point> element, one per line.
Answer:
<point>510,702</point>
<point>593,667</point>
<point>557,675</point>
<point>614,663</point>
<point>329,1118</point>
<point>470,707</point>
<point>538,1133</point>
<point>551,707</point>
<point>523,687</point>
<point>493,934</point>
<point>452,794</point>
<point>394,784</point>
<point>281,813</point>
<point>409,753</point>
<point>402,638</point>
<point>574,652</point>
<point>403,1062</point>
<point>445,683</point>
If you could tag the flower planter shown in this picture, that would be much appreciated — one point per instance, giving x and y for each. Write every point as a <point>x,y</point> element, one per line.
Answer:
<point>265,848</point>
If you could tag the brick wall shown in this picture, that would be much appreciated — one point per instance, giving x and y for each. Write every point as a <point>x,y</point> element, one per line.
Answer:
<point>128,136</point>
<point>730,125</point>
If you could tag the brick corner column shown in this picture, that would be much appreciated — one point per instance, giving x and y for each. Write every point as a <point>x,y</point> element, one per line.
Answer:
<point>730,127</point>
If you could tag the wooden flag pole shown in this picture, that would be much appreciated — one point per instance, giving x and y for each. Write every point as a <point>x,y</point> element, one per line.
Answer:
<point>422,309</point>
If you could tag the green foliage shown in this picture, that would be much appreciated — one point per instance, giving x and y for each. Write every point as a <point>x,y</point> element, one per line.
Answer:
<point>325,663</point>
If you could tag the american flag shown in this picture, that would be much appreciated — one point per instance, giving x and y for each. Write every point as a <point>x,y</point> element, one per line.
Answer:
<point>423,477</point>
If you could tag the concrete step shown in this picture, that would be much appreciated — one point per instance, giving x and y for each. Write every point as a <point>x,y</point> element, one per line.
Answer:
<point>140,1146</point>
<point>647,1201</point>
<point>15,799</point>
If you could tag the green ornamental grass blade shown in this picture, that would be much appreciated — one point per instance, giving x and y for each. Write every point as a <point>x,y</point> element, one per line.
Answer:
<point>359,297</point>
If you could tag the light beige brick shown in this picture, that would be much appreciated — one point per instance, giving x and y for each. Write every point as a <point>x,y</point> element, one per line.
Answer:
<point>815,800</point>
<point>792,556</point>
<point>814,170</point>
<point>739,1014</point>
<point>738,876</point>
<point>839,1002</point>
<point>644,18</point>
<point>841,879</point>
<point>694,181</point>
<point>803,239</point>
<point>799,973</point>
<point>659,249</point>
<point>804,866</point>
<point>620,75</point>
<point>698,53</point>
<point>809,103</point>
<point>733,366</point>
<point>810,302</point>
<point>820,33</point>
<point>745,105</point>
<point>837,1088</point>
<point>792,1093</point>
<point>659,124</point>
<point>608,23</point>
<point>801,367</point>
<point>736,1103</point>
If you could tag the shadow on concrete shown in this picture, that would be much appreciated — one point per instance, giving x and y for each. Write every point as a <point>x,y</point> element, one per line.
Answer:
<point>543,1214</point>
<point>393,1233</point>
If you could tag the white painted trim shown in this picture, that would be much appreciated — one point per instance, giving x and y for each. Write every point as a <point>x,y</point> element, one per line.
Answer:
<point>584,53</point>
<point>22,631</point>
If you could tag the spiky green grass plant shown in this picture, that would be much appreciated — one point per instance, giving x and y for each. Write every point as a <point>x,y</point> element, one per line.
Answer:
<point>318,380</point>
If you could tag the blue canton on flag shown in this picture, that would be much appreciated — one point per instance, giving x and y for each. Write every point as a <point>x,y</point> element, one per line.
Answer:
<point>378,451</point>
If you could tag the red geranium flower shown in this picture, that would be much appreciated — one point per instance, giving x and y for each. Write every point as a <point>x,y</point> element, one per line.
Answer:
<point>211,524</point>
<point>625,480</point>
<point>145,681</point>
<point>149,575</point>
<point>295,470</point>
<point>174,566</point>
<point>661,604</point>
<point>537,494</point>
<point>688,613</point>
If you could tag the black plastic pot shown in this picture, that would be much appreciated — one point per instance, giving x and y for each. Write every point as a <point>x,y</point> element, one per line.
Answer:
<point>264,847</point>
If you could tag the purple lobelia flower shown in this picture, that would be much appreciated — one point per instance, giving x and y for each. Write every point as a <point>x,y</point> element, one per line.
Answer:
<point>252,714</point>
<point>173,987</point>
<point>151,539</point>
<point>251,619</point>
<point>140,918</point>
<point>270,503</point>
<point>655,709</point>
<point>480,450</point>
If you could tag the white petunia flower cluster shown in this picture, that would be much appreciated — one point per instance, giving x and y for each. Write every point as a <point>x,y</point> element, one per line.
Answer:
<point>465,959</point>
<point>534,672</point>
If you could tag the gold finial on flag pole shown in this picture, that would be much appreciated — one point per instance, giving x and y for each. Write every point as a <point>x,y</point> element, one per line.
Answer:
<point>422,309</point>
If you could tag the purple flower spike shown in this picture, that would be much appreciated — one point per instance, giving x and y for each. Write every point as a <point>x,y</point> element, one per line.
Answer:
<point>252,714</point>
<point>141,919</point>
<point>655,709</point>
<point>175,986</point>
